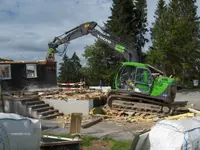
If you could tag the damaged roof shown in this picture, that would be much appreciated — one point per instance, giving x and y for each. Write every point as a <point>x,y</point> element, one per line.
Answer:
<point>7,61</point>
<point>2,59</point>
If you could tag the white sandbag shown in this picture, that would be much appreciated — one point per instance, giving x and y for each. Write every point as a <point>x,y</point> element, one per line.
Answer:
<point>19,133</point>
<point>176,135</point>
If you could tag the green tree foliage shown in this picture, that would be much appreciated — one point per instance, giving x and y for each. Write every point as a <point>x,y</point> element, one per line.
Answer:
<point>63,69</point>
<point>140,26</point>
<point>128,22</point>
<point>156,55</point>
<point>102,63</point>
<point>77,66</point>
<point>161,8</point>
<point>175,37</point>
<point>185,36</point>
<point>70,69</point>
<point>120,22</point>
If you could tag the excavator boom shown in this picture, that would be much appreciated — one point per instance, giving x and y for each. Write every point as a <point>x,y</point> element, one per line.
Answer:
<point>85,29</point>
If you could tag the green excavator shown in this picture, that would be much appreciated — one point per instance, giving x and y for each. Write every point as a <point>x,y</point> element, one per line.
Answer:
<point>138,87</point>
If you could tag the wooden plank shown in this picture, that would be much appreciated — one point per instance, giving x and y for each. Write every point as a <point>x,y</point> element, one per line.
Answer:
<point>156,69</point>
<point>93,122</point>
<point>194,110</point>
<point>75,123</point>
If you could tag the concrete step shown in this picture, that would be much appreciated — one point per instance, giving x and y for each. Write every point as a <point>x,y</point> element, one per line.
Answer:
<point>43,109</point>
<point>52,116</point>
<point>38,106</point>
<point>48,112</point>
<point>30,100</point>
<point>34,102</point>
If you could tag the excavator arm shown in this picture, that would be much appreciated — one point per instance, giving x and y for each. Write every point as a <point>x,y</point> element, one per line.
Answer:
<point>85,29</point>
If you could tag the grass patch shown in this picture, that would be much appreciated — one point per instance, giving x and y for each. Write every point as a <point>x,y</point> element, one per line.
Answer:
<point>118,144</point>
<point>121,145</point>
<point>88,140</point>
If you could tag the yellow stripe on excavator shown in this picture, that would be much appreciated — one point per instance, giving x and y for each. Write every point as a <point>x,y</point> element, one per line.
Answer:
<point>86,25</point>
<point>51,50</point>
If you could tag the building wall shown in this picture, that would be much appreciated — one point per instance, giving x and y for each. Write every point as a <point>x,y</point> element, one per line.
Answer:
<point>45,77</point>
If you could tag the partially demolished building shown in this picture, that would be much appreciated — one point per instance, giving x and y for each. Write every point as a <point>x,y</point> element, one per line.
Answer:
<point>16,75</point>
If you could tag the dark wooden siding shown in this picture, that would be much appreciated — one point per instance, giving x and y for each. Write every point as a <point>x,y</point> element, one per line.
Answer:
<point>45,77</point>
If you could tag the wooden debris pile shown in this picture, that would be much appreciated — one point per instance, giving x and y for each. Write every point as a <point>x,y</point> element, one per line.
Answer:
<point>65,95</point>
<point>132,117</point>
<point>123,116</point>
<point>65,120</point>
<point>181,116</point>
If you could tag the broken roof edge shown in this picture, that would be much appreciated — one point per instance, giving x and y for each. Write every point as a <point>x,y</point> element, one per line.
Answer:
<point>42,62</point>
<point>4,59</point>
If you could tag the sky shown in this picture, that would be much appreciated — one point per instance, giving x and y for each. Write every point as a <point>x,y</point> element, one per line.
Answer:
<point>26,26</point>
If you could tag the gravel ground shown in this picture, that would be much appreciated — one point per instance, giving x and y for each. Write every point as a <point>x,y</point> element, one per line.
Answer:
<point>192,96</point>
<point>110,129</point>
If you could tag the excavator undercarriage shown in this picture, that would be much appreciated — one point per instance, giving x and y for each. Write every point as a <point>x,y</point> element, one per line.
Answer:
<point>121,100</point>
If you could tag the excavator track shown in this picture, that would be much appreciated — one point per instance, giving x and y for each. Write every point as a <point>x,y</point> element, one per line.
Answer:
<point>129,102</point>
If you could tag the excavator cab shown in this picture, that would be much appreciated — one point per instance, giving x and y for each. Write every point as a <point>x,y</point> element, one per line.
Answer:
<point>134,77</point>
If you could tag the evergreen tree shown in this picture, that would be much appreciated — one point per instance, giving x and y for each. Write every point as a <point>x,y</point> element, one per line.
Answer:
<point>156,54</point>
<point>158,15</point>
<point>175,37</point>
<point>128,23</point>
<point>140,26</point>
<point>76,65</point>
<point>120,23</point>
<point>63,69</point>
<point>70,69</point>
<point>161,7</point>
<point>185,34</point>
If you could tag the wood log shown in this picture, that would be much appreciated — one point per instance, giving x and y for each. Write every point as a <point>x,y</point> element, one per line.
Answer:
<point>180,116</point>
<point>93,122</point>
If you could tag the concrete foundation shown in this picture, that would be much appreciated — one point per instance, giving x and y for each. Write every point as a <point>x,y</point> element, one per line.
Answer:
<point>16,106</point>
<point>32,107</point>
<point>64,106</point>
<point>74,106</point>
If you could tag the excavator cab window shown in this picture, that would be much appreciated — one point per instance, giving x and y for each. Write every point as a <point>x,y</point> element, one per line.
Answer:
<point>135,79</point>
<point>126,75</point>
<point>143,81</point>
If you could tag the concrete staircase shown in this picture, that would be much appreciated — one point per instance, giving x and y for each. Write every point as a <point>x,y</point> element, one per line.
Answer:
<point>39,109</point>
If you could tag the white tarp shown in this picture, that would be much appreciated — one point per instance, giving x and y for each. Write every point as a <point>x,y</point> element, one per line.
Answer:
<point>19,133</point>
<point>176,135</point>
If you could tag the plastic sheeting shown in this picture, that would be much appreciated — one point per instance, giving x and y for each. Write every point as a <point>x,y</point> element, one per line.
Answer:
<point>19,133</point>
<point>176,135</point>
